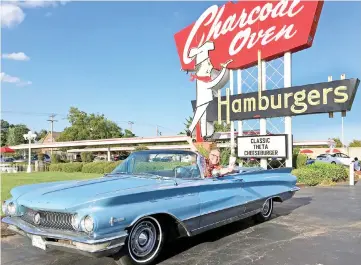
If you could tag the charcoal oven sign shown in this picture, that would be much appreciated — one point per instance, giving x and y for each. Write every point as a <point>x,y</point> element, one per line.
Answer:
<point>262,146</point>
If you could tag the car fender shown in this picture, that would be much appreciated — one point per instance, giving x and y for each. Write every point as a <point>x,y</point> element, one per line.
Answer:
<point>140,217</point>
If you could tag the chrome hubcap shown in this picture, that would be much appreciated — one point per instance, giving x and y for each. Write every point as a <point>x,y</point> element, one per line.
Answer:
<point>143,239</point>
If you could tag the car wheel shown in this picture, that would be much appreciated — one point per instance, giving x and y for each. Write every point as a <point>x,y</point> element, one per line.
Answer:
<point>266,211</point>
<point>143,244</point>
<point>333,162</point>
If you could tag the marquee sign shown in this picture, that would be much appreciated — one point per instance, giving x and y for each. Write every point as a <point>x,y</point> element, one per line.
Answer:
<point>238,30</point>
<point>262,146</point>
<point>335,96</point>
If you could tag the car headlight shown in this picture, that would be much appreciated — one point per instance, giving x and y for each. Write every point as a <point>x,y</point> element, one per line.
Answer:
<point>4,207</point>
<point>11,208</point>
<point>75,221</point>
<point>88,224</point>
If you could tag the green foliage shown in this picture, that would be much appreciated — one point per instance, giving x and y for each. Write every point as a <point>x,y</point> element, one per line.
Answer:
<point>86,157</point>
<point>223,127</point>
<point>67,167</point>
<point>84,126</point>
<point>320,173</point>
<point>355,143</point>
<point>299,160</point>
<point>4,131</point>
<point>296,150</point>
<point>224,157</point>
<point>15,134</point>
<point>338,142</point>
<point>100,167</point>
<point>41,134</point>
<point>128,134</point>
<point>55,159</point>
<point>141,147</point>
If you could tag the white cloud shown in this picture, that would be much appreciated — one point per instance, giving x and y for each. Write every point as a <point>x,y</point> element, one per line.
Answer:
<point>18,56</point>
<point>48,14</point>
<point>11,15</point>
<point>13,80</point>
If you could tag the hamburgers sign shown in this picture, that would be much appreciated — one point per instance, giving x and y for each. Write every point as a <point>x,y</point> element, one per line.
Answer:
<point>238,30</point>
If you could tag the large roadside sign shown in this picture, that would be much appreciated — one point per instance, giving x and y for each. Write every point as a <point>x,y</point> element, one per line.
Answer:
<point>238,30</point>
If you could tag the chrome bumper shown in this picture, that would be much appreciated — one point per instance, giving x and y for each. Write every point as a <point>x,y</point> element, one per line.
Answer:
<point>68,241</point>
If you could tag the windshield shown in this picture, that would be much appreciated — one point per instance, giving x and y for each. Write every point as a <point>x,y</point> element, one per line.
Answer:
<point>168,164</point>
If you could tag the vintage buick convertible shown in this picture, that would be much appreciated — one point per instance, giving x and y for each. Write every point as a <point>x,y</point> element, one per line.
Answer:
<point>153,196</point>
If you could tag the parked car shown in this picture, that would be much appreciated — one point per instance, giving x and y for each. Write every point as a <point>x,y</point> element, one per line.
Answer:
<point>130,213</point>
<point>336,158</point>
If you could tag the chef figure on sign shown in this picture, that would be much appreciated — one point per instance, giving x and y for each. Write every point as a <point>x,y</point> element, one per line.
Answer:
<point>209,81</point>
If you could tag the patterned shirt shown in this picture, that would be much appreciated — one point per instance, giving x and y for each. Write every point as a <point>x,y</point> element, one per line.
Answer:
<point>209,168</point>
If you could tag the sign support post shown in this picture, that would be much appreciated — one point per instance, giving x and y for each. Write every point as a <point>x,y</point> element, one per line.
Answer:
<point>239,91</point>
<point>261,87</point>
<point>231,84</point>
<point>288,120</point>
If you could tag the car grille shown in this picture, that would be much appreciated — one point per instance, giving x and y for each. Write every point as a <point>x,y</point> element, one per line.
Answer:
<point>52,220</point>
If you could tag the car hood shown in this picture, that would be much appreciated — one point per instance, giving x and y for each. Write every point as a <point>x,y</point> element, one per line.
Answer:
<point>69,194</point>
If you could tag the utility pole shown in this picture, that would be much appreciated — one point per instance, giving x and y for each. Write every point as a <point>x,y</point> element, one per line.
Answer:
<point>343,114</point>
<point>51,119</point>
<point>157,131</point>
<point>130,125</point>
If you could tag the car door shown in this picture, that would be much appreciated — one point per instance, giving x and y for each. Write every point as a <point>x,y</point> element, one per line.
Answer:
<point>344,159</point>
<point>220,199</point>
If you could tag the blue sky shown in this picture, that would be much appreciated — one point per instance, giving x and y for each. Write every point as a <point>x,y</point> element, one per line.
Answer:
<point>120,59</point>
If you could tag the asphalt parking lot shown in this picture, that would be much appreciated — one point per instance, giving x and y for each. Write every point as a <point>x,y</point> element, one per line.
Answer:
<point>319,226</point>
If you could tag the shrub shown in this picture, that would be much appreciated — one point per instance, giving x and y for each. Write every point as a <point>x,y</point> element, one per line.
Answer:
<point>66,167</point>
<point>86,157</point>
<point>55,158</point>
<point>141,147</point>
<point>225,154</point>
<point>320,173</point>
<point>100,167</point>
<point>299,160</point>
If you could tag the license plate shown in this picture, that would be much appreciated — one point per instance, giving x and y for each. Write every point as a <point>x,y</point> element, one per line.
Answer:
<point>38,242</point>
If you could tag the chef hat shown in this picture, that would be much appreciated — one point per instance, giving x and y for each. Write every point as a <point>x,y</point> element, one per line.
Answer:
<point>202,52</point>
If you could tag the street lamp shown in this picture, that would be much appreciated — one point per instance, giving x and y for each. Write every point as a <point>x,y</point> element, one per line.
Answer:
<point>29,136</point>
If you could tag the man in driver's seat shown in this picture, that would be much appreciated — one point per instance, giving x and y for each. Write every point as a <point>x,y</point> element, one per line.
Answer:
<point>212,166</point>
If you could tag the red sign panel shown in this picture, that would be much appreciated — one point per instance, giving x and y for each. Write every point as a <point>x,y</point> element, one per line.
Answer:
<point>238,30</point>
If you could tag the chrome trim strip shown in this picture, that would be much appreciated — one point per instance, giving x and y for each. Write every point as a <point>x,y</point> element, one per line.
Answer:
<point>295,188</point>
<point>19,224</point>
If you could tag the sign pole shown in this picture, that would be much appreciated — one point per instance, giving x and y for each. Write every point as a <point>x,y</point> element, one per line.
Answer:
<point>343,76</point>
<point>231,84</point>
<point>239,91</point>
<point>261,87</point>
<point>288,120</point>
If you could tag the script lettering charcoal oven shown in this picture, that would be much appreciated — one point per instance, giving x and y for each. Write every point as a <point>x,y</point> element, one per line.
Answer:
<point>239,29</point>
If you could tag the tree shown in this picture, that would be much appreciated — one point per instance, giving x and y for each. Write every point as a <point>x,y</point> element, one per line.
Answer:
<point>41,134</point>
<point>15,134</point>
<point>223,127</point>
<point>128,134</point>
<point>187,124</point>
<point>92,126</point>
<point>355,143</point>
<point>4,131</point>
<point>338,142</point>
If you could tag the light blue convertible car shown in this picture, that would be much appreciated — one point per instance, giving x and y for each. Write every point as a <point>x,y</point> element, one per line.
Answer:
<point>152,197</point>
